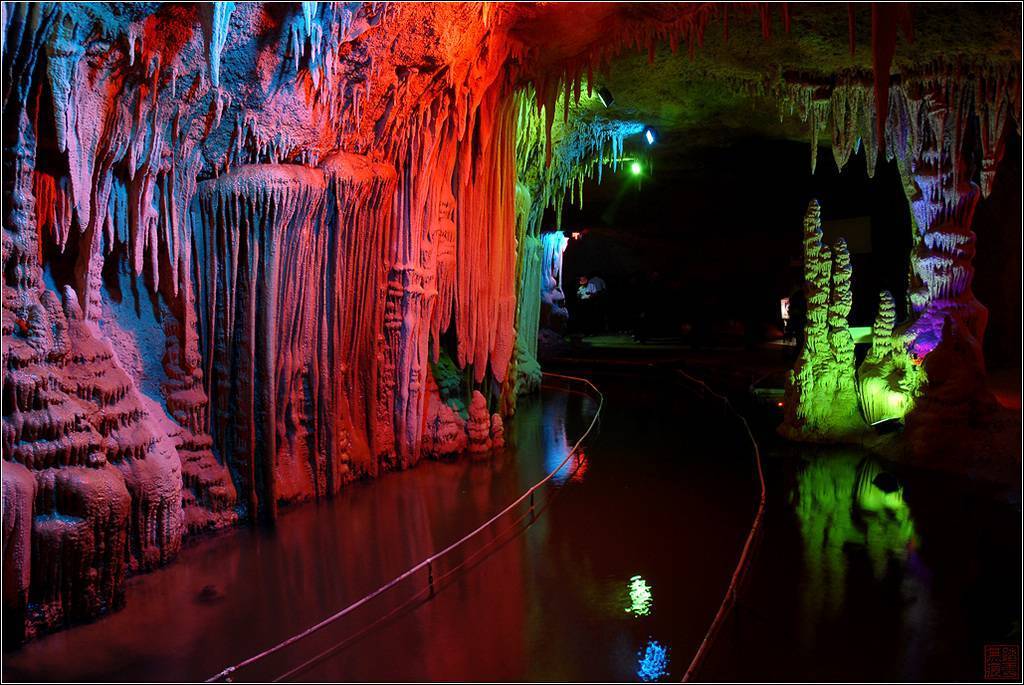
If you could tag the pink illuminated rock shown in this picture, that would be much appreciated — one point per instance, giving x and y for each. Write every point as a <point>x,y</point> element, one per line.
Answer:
<point>497,432</point>
<point>479,427</point>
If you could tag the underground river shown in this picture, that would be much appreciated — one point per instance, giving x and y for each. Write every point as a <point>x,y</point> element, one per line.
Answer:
<point>617,577</point>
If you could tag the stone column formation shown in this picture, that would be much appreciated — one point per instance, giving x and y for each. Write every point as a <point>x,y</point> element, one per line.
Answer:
<point>942,200</point>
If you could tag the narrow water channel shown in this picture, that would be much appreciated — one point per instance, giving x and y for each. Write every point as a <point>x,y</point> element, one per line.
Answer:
<point>616,577</point>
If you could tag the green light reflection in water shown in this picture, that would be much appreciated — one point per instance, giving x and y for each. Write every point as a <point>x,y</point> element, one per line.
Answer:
<point>847,505</point>
<point>640,598</point>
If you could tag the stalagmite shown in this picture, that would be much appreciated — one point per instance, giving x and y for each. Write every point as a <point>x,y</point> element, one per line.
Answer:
<point>889,379</point>
<point>479,427</point>
<point>821,393</point>
<point>497,432</point>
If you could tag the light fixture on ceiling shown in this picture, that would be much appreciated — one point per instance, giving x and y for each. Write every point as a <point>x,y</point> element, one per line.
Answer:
<point>650,135</point>
<point>606,96</point>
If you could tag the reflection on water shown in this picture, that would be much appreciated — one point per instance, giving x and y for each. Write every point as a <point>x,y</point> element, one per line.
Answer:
<point>847,505</point>
<point>883,594</point>
<point>866,576</point>
<point>556,439</point>
<point>544,604</point>
<point>639,597</point>
<point>653,662</point>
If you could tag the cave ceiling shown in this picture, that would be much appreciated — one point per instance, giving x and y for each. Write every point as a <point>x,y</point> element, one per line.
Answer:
<point>720,90</point>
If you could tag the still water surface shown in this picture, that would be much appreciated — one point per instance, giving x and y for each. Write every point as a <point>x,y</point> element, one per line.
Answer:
<point>616,578</point>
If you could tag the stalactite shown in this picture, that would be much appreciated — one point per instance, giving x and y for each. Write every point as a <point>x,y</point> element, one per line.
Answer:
<point>219,18</point>
<point>886,18</point>
<point>485,296</point>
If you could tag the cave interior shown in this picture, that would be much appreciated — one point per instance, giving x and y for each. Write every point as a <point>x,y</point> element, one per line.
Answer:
<point>256,252</point>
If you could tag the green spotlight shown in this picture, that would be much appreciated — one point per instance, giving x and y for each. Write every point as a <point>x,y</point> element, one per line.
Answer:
<point>636,168</point>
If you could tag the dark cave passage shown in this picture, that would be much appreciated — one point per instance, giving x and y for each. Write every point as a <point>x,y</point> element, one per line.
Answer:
<point>670,245</point>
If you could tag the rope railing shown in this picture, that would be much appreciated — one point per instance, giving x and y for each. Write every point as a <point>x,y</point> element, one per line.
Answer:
<point>729,600</point>
<point>427,564</point>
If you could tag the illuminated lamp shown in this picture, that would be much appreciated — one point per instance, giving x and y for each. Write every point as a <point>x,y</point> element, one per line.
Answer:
<point>636,168</point>
<point>606,96</point>
<point>650,135</point>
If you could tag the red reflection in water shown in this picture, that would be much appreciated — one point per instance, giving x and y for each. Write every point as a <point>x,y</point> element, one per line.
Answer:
<point>580,468</point>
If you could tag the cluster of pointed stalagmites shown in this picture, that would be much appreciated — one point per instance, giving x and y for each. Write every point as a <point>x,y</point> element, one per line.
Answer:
<point>827,396</point>
<point>451,426</point>
<point>821,392</point>
<point>485,430</point>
